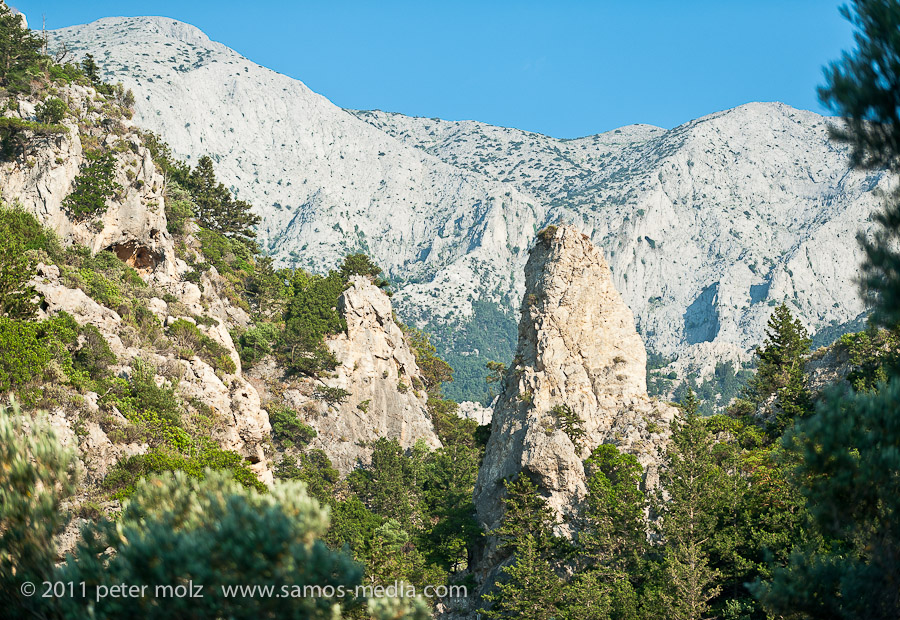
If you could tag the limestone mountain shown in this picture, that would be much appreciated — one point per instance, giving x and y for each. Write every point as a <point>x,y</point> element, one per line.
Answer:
<point>706,226</point>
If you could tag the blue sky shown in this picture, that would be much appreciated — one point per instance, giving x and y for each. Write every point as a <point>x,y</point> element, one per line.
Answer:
<point>562,68</point>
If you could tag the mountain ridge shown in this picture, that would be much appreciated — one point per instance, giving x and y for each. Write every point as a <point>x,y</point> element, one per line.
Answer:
<point>705,226</point>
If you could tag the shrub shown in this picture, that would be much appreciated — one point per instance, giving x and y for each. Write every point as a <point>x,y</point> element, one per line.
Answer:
<point>36,474</point>
<point>186,334</point>
<point>94,356</point>
<point>26,348</point>
<point>124,476</point>
<point>255,343</point>
<point>177,529</point>
<point>93,186</point>
<point>330,395</point>
<point>287,427</point>
<point>52,111</point>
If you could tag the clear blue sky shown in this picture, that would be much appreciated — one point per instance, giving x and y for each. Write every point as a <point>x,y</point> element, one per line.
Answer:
<point>562,68</point>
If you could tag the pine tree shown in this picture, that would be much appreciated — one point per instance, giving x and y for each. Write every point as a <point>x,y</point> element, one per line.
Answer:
<point>848,457</point>
<point>781,369</point>
<point>90,68</point>
<point>863,89</point>
<point>216,209</point>
<point>20,50</point>
<point>529,587</point>
<point>612,539</point>
<point>688,518</point>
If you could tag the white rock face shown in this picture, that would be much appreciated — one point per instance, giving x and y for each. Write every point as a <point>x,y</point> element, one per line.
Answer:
<point>384,384</point>
<point>134,223</point>
<point>577,347</point>
<point>706,225</point>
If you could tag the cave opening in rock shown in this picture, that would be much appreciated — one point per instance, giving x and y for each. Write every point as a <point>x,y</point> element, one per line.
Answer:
<point>135,255</point>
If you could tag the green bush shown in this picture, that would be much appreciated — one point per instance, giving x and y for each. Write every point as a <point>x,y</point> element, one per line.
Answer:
<point>27,348</point>
<point>315,469</point>
<point>52,110</point>
<point>94,356</point>
<point>36,475</point>
<point>178,529</point>
<point>124,476</point>
<point>287,427</point>
<point>187,335</point>
<point>94,185</point>
<point>255,343</point>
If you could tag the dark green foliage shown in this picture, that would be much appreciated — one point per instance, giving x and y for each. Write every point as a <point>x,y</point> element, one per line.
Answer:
<point>862,89</point>
<point>491,332</point>
<point>20,232</point>
<point>93,186</point>
<point>311,314</point>
<point>353,525</point>
<point>287,427</point>
<point>388,485</point>
<point>215,208</point>
<point>694,483</point>
<point>210,532</point>
<point>94,356</point>
<point>848,464</point>
<point>266,288</point>
<point>255,343</point>
<point>569,423</point>
<point>530,587</point>
<point>781,370</point>
<point>90,69</point>
<point>332,396</point>
<point>361,265</point>
<point>178,213</point>
<point>313,468</point>
<point>206,455</point>
<point>547,234</point>
<point>51,111</point>
<point>16,135</point>
<point>20,52</point>
<point>873,355</point>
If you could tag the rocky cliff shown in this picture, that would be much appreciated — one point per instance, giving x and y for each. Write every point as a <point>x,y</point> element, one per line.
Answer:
<point>578,357</point>
<point>382,386</point>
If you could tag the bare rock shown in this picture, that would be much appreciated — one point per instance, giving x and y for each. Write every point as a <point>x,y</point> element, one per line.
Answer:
<point>577,347</point>
<point>378,370</point>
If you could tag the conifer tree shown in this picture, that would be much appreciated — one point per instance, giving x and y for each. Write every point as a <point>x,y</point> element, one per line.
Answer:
<point>20,50</point>
<point>781,369</point>
<point>216,209</point>
<point>863,90</point>
<point>849,461</point>
<point>694,484</point>
<point>529,587</point>
<point>90,68</point>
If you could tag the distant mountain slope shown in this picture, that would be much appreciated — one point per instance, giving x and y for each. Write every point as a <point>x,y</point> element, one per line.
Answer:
<point>705,226</point>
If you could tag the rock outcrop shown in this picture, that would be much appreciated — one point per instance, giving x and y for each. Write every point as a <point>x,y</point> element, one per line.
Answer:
<point>383,384</point>
<point>577,348</point>
<point>134,223</point>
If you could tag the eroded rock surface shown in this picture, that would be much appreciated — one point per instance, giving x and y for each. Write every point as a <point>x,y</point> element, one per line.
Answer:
<point>577,348</point>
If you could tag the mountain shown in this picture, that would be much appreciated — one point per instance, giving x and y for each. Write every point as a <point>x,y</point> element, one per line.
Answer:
<point>706,226</point>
